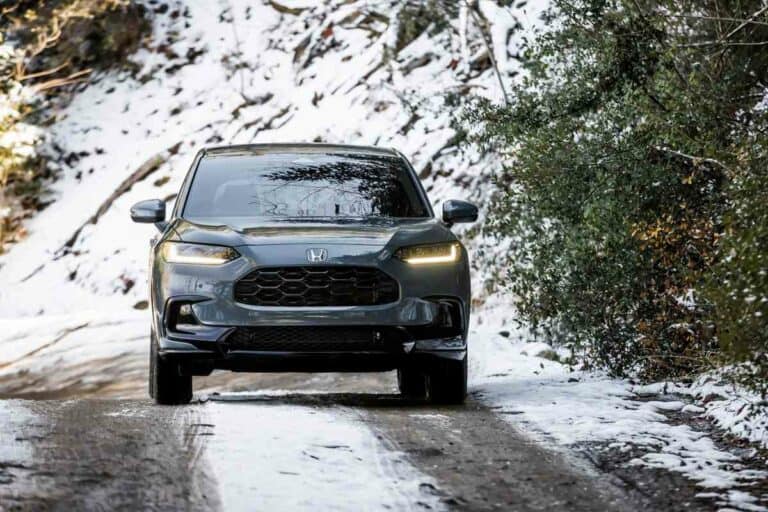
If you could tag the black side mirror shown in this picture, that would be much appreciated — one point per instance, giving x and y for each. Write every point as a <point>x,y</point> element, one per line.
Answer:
<point>149,211</point>
<point>459,211</point>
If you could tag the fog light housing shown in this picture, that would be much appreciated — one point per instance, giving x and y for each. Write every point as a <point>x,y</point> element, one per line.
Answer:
<point>181,317</point>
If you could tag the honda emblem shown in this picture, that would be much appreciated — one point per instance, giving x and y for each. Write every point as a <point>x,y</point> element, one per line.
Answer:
<point>316,255</point>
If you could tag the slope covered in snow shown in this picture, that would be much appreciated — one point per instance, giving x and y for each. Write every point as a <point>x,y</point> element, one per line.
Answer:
<point>220,72</point>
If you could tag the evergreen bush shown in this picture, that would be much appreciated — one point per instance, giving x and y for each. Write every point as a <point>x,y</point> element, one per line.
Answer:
<point>635,142</point>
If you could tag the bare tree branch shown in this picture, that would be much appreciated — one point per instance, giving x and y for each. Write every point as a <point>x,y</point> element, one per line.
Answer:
<point>482,25</point>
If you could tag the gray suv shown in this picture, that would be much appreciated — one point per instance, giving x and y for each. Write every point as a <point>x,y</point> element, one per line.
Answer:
<point>307,258</point>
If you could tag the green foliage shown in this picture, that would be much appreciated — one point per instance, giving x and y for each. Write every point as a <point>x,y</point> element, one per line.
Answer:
<point>739,282</point>
<point>625,139</point>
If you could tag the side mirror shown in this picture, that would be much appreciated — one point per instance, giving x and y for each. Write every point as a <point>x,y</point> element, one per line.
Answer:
<point>149,211</point>
<point>459,211</point>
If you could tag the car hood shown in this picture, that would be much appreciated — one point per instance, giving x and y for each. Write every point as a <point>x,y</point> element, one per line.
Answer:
<point>375,232</point>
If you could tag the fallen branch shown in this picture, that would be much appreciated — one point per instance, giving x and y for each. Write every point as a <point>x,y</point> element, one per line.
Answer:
<point>284,9</point>
<point>251,102</point>
<point>692,158</point>
<point>271,121</point>
<point>43,73</point>
<point>74,78</point>
<point>482,25</point>
<point>63,334</point>
<point>140,174</point>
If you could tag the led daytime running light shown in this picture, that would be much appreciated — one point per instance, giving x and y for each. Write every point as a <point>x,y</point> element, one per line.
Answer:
<point>453,255</point>
<point>195,254</point>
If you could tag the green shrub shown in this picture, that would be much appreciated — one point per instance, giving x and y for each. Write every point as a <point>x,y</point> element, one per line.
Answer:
<point>623,141</point>
<point>738,285</point>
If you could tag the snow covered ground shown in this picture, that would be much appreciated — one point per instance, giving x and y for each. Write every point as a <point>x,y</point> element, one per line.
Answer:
<point>89,352</point>
<point>570,408</point>
<point>561,408</point>
<point>306,457</point>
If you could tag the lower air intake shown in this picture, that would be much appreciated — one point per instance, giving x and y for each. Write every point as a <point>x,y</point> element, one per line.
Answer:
<point>314,339</point>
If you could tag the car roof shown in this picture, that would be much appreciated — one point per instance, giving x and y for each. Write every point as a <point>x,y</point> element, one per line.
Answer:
<point>261,149</point>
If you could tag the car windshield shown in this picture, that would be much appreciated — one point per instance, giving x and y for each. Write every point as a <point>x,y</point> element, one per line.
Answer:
<point>302,185</point>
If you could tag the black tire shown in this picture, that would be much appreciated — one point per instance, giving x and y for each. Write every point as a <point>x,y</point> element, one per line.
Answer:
<point>448,382</point>
<point>166,386</point>
<point>412,383</point>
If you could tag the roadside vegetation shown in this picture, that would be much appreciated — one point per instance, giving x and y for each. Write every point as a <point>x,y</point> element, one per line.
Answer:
<point>636,187</point>
<point>47,49</point>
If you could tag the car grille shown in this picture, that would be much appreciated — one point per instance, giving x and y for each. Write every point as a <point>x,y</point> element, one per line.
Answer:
<point>313,339</point>
<point>316,286</point>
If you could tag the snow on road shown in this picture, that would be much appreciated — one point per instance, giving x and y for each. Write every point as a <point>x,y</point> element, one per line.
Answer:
<point>244,453</point>
<point>282,457</point>
<point>14,456</point>
<point>567,408</point>
<point>244,84</point>
<point>90,353</point>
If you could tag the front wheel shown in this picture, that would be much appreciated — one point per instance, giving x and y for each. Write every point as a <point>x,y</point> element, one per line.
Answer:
<point>412,383</point>
<point>448,382</point>
<point>166,385</point>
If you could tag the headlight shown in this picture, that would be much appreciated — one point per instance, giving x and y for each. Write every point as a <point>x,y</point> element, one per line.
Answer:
<point>196,254</point>
<point>425,254</point>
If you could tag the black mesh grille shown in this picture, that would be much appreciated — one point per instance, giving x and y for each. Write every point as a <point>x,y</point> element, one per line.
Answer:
<point>313,339</point>
<point>316,286</point>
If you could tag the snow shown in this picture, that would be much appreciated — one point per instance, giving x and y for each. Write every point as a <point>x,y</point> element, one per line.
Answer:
<point>733,408</point>
<point>281,457</point>
<point>569,408</point>
<point>13,416</point>
<point>51,353</point>
<point>16,457</point>
<point>246,51</point>
<point>64,313</point>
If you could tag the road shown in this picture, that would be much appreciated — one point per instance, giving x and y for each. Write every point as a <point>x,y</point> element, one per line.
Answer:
<point>296,450</point>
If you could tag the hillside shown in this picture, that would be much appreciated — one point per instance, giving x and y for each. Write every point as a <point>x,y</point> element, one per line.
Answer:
<point>333,73</point>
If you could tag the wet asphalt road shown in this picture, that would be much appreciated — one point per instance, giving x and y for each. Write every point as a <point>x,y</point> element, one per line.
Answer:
<point>116,454</point>
<point>90,455</point>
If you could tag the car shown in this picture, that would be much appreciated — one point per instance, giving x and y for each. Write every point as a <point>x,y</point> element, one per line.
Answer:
<point>307,258</point>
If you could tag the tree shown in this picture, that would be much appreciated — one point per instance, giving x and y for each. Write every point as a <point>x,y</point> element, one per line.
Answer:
<point>630,140</point>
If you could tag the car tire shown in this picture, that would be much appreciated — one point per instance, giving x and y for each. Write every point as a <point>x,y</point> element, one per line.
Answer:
<point>166,386</point>
<point>448,382</point>
<point>412,383</point>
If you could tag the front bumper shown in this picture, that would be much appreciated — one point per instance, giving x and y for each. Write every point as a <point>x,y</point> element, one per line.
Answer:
<point>210,290</point>
<point>198,361</point>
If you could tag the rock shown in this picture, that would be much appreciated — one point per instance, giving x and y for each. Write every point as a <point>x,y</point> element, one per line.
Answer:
<point>549,354</point>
